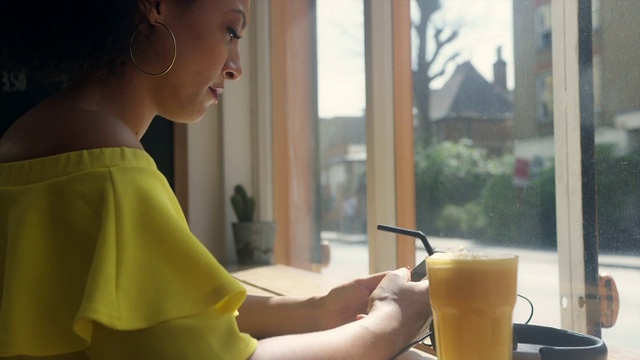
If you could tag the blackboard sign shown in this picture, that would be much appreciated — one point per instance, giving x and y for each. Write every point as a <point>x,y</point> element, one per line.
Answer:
<point>19,93</point>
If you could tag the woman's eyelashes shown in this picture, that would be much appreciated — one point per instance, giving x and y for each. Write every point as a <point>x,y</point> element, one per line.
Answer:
<point>233,33</point>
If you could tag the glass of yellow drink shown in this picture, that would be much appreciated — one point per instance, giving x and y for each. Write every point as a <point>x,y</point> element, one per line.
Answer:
<point>472,298</point>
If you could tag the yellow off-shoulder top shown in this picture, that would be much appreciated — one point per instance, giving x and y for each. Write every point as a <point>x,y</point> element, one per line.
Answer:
<point>97,262</point>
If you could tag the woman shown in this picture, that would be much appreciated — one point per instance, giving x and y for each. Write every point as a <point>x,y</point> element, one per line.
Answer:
<point>96,258</point>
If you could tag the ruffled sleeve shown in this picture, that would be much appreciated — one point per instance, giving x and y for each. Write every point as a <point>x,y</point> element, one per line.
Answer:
<point>111,248</point>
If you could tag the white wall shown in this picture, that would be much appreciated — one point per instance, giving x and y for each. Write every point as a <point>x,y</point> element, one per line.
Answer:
<point>205,195</point>
<point>232,145</point>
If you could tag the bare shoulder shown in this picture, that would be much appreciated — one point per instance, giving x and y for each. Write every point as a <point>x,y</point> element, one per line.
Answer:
<point>50,130</point>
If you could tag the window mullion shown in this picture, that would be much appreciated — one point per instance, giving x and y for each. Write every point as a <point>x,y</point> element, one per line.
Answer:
<point>403,122</point>
<point>564,17</point>
<point>381,197</point>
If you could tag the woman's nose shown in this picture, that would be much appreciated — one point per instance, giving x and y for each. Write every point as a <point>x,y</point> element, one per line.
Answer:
<point>233,73</point>
<point>233,69</point>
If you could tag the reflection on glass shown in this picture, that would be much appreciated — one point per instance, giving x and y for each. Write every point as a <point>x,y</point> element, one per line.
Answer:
<point>616,103</point>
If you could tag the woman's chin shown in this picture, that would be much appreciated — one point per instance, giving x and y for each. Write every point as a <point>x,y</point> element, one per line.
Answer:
<point>188,117</point>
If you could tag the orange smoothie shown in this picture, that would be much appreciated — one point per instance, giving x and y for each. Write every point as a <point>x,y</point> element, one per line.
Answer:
<point>472,297</point>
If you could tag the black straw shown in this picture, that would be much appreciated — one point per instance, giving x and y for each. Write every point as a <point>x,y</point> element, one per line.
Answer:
<point>416,234</point>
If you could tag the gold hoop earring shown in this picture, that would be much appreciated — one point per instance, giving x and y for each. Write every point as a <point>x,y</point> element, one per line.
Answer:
<point>173,60</point>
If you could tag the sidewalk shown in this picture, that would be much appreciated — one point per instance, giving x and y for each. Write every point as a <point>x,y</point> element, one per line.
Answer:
<point>439,243</point>
<point>620,261</point>
<point>343,237</point>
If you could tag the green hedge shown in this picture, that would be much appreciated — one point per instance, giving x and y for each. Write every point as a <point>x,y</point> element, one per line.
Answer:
<point>461,192</point>
<point>451,176</point>
<point>618,198</point>
<point>521,215</point>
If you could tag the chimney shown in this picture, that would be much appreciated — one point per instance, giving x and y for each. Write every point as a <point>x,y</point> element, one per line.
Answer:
<point>500,71</point>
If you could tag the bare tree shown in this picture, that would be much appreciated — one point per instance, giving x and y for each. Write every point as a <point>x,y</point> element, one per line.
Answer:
<point>422,76</point>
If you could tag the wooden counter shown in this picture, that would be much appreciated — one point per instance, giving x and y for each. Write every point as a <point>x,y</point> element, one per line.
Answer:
<point>286,280</point>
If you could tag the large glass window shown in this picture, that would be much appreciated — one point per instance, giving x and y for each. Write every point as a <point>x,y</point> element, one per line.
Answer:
<point>495,146</point>
<point>485,159</point>
<point>616,109</point>
<point>342,137</point>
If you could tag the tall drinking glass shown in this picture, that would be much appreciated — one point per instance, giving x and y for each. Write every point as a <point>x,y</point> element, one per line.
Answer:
<point>472,298</point>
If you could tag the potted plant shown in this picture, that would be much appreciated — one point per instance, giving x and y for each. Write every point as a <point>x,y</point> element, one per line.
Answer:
<point>253,239</point>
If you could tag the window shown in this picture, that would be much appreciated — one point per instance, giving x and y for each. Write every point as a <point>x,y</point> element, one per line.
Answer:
<point>595,10</point>
<point>543,26</point>
<point>493,191</point>
<point>524,203</point>
<point>544,98</point>
<point>616,109</point>
<point>342,135</point>
<point>518,178</point>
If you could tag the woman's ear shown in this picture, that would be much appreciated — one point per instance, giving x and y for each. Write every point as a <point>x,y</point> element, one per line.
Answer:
<point>150,9</point>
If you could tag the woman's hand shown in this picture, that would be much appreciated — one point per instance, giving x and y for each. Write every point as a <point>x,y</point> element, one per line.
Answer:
<point>350,301</point>
<point>391,309</point>
<point>404,301</point>
<point>392,292</point>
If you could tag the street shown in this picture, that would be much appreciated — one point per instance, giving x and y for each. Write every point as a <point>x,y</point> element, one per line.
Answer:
<point>538,280</point>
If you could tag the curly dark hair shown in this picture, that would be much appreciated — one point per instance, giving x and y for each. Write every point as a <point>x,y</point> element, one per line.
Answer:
<point>66,39</point>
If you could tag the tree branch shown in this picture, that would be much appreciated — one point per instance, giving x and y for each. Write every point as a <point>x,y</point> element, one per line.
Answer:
<point>444,67</point>
<point>442,43</point>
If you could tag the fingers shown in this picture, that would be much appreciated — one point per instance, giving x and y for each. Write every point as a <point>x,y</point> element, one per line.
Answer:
<point>405,273</point>
<point>361,316</point>
<point>400,275</point>
<point>397,278</point>
<point>371,282</point>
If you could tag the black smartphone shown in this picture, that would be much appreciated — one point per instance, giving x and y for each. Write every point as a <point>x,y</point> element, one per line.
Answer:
<point>419,272</point>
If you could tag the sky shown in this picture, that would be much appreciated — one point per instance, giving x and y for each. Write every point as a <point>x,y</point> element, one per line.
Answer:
<point>483,26</point>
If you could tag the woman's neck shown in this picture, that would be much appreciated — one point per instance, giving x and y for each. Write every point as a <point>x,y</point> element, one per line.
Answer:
<point>119,97</point>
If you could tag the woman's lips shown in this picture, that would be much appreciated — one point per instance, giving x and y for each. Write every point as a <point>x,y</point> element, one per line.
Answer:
<point>216,92</point>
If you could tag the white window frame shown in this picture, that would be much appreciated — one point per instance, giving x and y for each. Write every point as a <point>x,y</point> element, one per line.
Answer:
<point>569,215</point>
<point>381,186</point>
